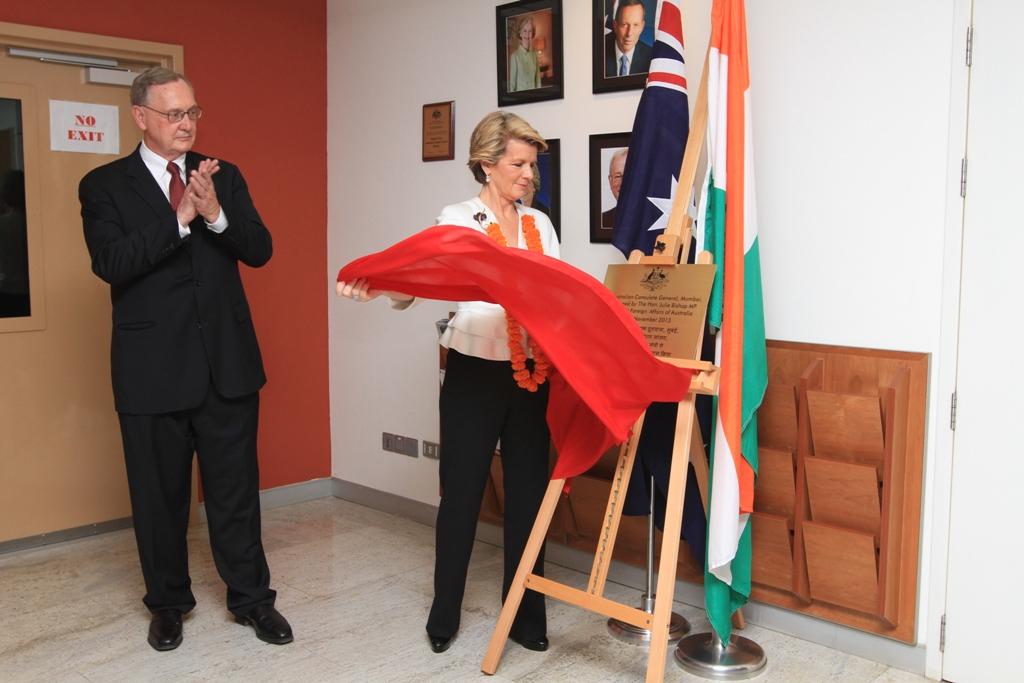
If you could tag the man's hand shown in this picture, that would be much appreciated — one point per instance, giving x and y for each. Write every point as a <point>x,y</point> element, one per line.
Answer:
<point>201,192</point>
<point>186,209</point>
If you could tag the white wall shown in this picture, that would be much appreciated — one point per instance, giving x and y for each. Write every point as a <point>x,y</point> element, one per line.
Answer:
<point>384,364</point>
<point>851,121</point>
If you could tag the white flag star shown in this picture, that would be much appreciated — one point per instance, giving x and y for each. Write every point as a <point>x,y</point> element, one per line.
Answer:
<point>665,206</point>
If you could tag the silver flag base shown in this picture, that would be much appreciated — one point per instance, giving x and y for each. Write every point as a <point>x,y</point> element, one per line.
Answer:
<point>678,627</point>
<point>704,655</point>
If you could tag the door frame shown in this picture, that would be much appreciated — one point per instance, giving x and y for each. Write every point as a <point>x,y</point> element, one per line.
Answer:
<point>126,49</point>
<point>941,469</point>
<point>36,138</point>
<point>132,53</point>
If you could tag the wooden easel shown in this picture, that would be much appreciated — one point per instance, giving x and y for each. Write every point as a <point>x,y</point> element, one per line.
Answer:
<point>592,599</point>
<point>670,247</point>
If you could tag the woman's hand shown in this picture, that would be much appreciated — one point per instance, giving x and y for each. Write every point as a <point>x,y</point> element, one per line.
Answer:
<point>359,290</point>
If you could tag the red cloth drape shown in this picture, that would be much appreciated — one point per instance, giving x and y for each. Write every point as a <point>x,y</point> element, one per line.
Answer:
<point>603,373</point>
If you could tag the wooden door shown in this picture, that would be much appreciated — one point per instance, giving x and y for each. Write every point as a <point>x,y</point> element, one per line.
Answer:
<point>986,553</point>
<point>61,463</point>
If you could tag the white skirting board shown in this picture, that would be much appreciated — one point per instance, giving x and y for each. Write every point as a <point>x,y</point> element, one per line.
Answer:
<point>269,498</point>
<point>63,535</point>
<point>289,495</point>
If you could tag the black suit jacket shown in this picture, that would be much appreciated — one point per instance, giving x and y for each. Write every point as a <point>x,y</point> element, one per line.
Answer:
<point>608,218</point>
<point>640,64</point>
<point>180,315</point>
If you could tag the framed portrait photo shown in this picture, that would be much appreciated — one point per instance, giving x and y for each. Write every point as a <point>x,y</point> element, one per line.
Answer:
<point>623,40</point>
<point>607,164</point>
<point>529,44</point>
<point>548,197</point>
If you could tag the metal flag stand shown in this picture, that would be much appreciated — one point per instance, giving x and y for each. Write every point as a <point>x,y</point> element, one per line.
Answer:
<point>704,654</point>
<point>678,625</point>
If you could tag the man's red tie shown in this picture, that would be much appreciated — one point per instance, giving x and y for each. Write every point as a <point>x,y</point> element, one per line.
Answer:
<point>177,187</point>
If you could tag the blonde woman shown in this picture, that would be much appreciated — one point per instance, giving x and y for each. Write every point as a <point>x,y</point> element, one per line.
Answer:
<point>487,394</point>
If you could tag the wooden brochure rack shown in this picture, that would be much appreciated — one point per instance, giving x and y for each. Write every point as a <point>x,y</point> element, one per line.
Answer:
<point>837,503</point>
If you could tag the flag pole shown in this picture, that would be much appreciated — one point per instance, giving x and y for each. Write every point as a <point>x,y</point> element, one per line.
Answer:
<point>704,654</point>
<point>678,626</point>
<point>680,219</point>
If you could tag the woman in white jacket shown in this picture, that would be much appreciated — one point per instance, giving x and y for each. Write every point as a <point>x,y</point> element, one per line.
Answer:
<point>494,387</point>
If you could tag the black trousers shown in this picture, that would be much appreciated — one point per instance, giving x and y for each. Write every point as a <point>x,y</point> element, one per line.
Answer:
<point>481,403</point>
<point>158,454</point>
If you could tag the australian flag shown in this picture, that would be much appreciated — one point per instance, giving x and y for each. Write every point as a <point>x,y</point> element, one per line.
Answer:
<point>656,147</point>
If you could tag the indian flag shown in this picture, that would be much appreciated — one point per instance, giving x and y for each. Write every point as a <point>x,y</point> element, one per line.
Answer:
<point>730,234</point>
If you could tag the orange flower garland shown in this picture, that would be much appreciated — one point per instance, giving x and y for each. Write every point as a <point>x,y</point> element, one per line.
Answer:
<point>524,378</point>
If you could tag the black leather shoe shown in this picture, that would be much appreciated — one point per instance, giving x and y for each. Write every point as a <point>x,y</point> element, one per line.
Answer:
<point>439,645</point>
<point>268,623</point>
<point>165,629</point>
<point>535,644</point>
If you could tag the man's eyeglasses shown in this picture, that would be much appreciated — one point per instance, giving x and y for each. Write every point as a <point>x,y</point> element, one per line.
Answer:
<point>176,115</point>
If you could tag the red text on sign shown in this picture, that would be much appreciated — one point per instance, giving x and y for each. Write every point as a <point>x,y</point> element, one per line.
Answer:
<point>86,135</point>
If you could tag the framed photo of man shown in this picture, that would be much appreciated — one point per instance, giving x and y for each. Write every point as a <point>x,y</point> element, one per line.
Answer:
<point>529,45</point>
<point>547,189</point>
<point>623,41</point>
<point>608,153</point>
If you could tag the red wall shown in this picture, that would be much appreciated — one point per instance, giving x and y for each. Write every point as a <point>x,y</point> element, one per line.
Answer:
<point>260,72</point>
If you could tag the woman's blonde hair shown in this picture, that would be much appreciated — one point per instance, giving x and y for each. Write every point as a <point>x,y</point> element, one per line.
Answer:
<point>521,24</point>
<point>491,136</point>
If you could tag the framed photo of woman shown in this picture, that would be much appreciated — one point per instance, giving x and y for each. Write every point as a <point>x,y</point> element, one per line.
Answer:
<point>529,44</point>
<point>607,164</point>
<point>623,41</point>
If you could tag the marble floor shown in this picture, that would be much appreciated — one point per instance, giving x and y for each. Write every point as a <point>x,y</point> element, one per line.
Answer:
<point>356,585</point>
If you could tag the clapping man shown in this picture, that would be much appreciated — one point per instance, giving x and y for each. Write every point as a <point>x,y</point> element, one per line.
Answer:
<point>166,228</point>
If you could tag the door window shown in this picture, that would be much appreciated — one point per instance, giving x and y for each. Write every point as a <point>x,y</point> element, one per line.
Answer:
<point>14,277</point>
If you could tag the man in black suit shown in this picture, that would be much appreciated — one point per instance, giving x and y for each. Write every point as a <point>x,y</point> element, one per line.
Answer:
<point>185,363</point>
<point>624,54</point>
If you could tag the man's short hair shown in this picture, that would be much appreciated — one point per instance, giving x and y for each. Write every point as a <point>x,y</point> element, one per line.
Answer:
<point>628,3</point>
<point>154,75</point>
<point>618,155</point>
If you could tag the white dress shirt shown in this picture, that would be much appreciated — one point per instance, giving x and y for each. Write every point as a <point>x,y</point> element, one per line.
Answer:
<point>157,166</point>
<point>479,328</point>
<point>618,58</point>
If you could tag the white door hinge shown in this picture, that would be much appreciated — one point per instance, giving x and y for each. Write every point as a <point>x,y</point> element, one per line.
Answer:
<point>963,177</point>
<point>952,415</point>
<point>942,634</point>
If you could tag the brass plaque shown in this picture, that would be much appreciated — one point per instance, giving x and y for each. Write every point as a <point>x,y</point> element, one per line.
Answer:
<point>668,302</point>
<point>439,131</point>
